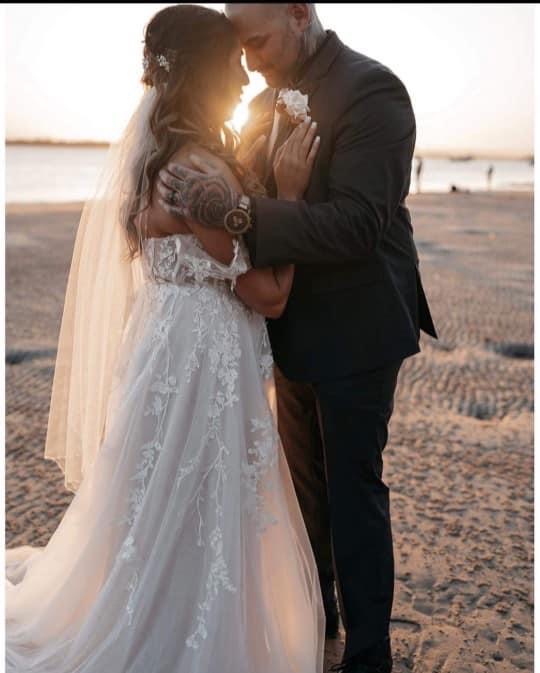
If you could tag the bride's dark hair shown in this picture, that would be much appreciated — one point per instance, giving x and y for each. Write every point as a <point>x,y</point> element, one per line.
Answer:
<point>187,52</point>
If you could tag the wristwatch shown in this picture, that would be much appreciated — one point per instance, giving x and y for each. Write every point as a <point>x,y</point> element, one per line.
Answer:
<point>238,220</point>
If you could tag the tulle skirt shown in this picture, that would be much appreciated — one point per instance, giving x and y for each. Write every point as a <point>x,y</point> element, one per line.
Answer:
<point>184,549</point>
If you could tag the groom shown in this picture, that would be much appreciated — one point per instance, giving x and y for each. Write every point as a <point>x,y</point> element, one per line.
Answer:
<point>356,307</point>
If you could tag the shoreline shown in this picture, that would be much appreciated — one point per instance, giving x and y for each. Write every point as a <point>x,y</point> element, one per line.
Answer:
<point>457,156</point>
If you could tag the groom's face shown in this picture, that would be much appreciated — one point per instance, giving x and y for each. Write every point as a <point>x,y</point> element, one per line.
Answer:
<point>271,37</point>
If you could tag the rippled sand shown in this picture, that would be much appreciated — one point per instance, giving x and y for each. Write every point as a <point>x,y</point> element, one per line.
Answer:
<point>459,462</point>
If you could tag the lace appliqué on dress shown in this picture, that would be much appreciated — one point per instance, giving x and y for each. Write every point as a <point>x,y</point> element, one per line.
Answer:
<point>261,457</point>
<point>174,265</point>
<point>266,361</point>
<point>163,300</point>
<point>222,345</point>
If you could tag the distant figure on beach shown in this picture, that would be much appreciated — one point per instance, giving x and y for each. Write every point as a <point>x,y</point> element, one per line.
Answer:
<point>489,175</point>
<point>419,167</point>
<point>454,189</point>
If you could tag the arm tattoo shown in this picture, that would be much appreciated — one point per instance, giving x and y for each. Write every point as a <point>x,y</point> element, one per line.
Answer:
<point>208,199</point>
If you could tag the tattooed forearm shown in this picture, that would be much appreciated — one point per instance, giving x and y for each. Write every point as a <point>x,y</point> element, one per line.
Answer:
<point>204,197</point>
<point>208,199</point>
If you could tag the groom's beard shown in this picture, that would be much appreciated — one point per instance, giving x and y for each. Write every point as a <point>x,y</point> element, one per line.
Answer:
<point>276,80</point>
<point>285,80</point>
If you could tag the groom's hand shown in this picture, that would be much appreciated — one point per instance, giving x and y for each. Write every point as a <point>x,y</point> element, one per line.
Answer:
<point>200,194</point>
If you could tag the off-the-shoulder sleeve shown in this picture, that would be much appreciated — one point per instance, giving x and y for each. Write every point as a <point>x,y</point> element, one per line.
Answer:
<point>203,266</point>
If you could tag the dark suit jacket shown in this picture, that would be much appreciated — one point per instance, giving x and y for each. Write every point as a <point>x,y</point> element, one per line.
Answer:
<point>357,301</point>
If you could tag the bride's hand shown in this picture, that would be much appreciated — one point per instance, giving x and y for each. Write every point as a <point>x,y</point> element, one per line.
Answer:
<point>294,161</point>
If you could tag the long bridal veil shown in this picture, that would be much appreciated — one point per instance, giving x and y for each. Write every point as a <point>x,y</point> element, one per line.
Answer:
<point>102,282</point>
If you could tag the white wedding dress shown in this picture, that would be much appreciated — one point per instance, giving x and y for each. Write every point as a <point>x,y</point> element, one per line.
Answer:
<point>183,550</point>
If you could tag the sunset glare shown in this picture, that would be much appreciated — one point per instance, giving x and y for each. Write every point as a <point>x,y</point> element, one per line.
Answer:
<point>73,71</point>
<point>240,116</point>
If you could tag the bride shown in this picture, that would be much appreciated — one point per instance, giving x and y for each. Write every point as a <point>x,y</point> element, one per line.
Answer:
<point>183,549</point>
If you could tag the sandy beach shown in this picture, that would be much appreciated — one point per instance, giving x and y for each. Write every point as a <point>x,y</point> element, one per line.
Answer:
<point>459,462</point>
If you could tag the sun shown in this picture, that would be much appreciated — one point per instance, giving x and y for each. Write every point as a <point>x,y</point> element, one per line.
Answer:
<point>240,116</point>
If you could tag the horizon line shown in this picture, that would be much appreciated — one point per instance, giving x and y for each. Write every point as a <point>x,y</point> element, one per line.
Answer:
<point>456,154</point>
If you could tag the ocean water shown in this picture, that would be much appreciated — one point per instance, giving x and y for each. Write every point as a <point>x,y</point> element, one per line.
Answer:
<point>54,173</point>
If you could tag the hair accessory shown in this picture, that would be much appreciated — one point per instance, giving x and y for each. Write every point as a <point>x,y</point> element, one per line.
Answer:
<point>160,59</point>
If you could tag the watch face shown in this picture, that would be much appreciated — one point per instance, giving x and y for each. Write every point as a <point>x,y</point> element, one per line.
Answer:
<point>237,221</point>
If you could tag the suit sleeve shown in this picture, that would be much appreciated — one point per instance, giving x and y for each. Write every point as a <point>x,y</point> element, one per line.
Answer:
<point>368,178</point>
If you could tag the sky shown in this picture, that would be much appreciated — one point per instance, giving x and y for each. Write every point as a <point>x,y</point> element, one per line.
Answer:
<point>73,71</point>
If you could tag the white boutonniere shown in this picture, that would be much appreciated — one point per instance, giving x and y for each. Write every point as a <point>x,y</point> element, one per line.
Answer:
<point>294,104</point>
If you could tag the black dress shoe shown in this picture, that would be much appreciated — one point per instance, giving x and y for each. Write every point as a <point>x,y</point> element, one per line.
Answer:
<point>377,659</point>
<point>351,667</point>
